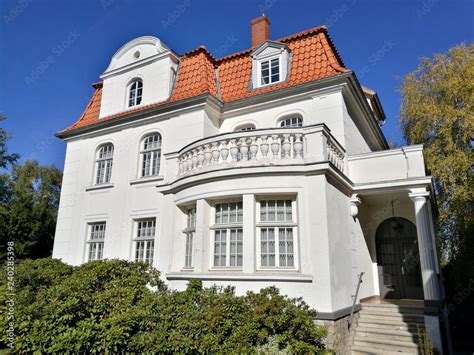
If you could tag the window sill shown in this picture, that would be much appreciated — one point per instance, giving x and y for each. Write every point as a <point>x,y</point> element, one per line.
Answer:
<point>226,225</point>
<point>258,277</point>
<point>99,187</point>
<point>146,179</point>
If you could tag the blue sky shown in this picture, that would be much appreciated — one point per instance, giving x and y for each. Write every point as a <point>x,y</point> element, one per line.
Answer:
<point>53,50</point>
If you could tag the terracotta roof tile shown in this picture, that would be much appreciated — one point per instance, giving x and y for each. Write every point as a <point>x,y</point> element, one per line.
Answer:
<point>313,56</point>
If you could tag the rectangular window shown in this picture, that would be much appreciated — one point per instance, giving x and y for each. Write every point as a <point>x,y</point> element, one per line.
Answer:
<point>228,240</point>
<point>144,240</point>
<point>277,228</point>
<point>270,71</point>
<point>189,233</point>
<point>96,241</point>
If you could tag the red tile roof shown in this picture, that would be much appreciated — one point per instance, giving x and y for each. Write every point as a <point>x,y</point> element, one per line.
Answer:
<point>313,57</point>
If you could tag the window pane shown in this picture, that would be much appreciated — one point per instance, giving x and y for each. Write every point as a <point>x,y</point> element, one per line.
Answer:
<point>267,245</point>
<point>188,262</point>
<point>220,247</point>
<point>286,246</point>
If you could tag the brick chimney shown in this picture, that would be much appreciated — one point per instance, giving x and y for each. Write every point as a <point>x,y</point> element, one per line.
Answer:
<point>260,30</point>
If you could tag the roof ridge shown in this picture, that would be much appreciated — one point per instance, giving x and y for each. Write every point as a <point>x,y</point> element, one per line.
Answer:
<point>282,39</point>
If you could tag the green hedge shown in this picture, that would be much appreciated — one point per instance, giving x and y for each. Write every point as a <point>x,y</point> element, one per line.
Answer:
<point>119,306</point>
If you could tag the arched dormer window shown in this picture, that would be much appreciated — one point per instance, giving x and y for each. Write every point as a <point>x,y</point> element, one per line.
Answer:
<point>150,155</point>
<point>292,121</point>
<point>103,164</point>
<point>135,93</point>
<point>245,127</point>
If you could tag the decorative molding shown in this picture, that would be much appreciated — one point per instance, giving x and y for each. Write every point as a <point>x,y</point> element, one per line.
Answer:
<point>354,203</point>
<point>99,187</point>
<point>257,277</point>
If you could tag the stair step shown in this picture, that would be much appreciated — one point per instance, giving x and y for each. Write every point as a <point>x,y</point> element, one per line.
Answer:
<point>359,350</point>
<point>363,333</point>
<point>385,344</point>
<point>395,309</point>
<point>394,317</point>
<point>389,325</point>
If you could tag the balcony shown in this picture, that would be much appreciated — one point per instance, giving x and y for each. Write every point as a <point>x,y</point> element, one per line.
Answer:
<point>261,148</point>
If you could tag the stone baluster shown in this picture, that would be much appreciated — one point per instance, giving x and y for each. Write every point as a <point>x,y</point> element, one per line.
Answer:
<point>275,146</point>
<point>189,157</point>
<point>286,146</point>
<point>253,148</point>
<point>298,146</point>
<point>264,146</point>
<point>207,154</point>
<point>215,153</point>
<point>200,156</point>
<point>181,165</point>
<point>234,150</point>
<point>244,149</point>
<point>224,151</point>
<point>194,159</point>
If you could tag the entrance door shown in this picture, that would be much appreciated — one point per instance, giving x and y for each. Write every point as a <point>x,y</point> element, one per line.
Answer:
<point>398,255</point>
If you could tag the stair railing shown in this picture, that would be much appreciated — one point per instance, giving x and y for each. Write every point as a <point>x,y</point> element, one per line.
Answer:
<point>354,298</point>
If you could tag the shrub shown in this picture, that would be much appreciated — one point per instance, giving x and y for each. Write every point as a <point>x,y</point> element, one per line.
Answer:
<point>119,306</point>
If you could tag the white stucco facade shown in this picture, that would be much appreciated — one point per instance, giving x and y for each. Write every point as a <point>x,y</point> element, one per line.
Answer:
<point>336,170</point>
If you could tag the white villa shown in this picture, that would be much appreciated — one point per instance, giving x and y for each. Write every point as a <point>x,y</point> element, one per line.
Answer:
<point>265,167</point>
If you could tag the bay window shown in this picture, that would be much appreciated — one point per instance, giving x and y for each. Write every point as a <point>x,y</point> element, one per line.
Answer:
<point>277,232</point>
<point>228,235</point>
<point>189,234</point>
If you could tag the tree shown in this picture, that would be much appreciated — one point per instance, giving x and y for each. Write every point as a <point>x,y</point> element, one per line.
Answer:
<point>5,159</point>
<point>437,110</point>
<point>28,209</point>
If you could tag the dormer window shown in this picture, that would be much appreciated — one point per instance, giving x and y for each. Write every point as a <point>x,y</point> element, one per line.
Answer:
<point>135,93</point>
<point>270,64</point>
<point>270,71</point>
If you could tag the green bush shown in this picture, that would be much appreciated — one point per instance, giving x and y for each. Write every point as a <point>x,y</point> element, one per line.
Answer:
<point>119,306</point>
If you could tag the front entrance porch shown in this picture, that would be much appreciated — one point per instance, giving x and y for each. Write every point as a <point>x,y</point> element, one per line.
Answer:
<point>398,229</point>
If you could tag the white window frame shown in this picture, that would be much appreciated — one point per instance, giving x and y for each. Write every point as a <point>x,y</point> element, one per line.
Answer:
<point>103,162</point>
<point>245,127</point>
<point>189,233</point>
<point>276,226</point>
<point>95,240</point>
<point>230,229</point>
<point>148,241</point>
<point>137,98</point>
<point>269,60</point>
<point>155,156</point>
<point>283,121</point>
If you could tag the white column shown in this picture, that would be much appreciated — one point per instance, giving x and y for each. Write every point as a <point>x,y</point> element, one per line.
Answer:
<point>248,205</point>
<point>430,278</point>
<point>201,236</point>
<point>427,248</point>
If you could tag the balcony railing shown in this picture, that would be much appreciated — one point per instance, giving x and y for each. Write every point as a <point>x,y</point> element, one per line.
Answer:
<point>276,146</point>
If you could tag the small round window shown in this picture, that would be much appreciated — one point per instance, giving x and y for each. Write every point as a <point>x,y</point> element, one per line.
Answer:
<point>136,55</point>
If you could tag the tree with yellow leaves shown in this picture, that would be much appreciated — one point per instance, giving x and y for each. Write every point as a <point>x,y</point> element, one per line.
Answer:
<point>437,111</point>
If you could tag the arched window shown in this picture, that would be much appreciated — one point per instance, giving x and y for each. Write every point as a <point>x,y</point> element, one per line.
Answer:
<point>150,153</point>
<point>135,93</point>
<point>246,127</point>
<point>103,163</point>
<point>292,121</point>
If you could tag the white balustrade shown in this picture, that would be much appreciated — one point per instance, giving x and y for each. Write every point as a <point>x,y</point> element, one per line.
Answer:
<point>249,148</point>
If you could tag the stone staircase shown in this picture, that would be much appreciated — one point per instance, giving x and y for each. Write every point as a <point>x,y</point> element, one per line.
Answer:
<point>388,327</point>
